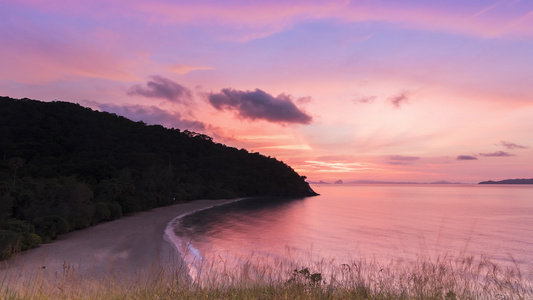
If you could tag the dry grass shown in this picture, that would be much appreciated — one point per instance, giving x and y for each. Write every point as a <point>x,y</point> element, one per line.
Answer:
<point>442,278</point>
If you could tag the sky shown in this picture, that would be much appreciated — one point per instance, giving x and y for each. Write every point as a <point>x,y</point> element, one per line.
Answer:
<point>355,90</point>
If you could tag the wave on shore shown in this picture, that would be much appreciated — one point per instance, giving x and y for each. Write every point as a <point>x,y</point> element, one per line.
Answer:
<point>179,237</point>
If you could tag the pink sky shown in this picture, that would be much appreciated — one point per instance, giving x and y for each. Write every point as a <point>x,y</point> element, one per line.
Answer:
<point>354,90</point>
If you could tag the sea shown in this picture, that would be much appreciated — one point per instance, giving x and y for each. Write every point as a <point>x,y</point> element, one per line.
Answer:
<point>400,223</point>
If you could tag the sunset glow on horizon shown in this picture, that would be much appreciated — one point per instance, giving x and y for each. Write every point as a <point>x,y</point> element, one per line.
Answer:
<point>417,91</point>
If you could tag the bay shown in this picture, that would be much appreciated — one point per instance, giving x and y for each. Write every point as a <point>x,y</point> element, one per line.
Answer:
<point>400,223</point>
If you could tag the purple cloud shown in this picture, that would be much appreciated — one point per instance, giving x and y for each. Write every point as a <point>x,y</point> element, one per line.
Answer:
<point>160,87</point>
<point>403,158</point>
<point>151,115</point>
<point>304,100</point>
<point>496,154</point>
<point>466,157</point>
<point>364,99</point>
<point>398,100</point>
<point>512,146</point>
<point>259,105</point>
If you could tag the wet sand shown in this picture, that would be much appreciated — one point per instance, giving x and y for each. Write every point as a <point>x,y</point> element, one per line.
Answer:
<point>132,247</point>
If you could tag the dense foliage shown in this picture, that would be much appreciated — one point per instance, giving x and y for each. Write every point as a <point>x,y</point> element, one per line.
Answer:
<point>64,167</point>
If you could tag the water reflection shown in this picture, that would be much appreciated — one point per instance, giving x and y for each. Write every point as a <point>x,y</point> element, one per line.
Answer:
<point>385,222</point>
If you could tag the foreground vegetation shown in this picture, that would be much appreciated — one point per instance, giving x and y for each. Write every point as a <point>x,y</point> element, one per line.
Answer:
<point>467,278</point>
<point>65,167</point>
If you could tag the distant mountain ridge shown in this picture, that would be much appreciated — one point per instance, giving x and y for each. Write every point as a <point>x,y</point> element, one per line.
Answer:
<point>509,181</point>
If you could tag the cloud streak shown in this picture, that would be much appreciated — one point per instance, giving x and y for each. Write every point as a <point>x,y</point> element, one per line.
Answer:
<point>184,69</point>
<point>338,167</point>
<point>466,157</point>
<point>150,115</point>
<point>259,105</point>
<point>272,16</point>
<point>403,158</point>
<point>398,100</point>
<point>496,154</point>
<point>369,99</point>
<point>512,146</point>
<point>164,88</point>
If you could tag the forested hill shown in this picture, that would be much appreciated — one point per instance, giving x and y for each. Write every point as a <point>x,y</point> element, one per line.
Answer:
<point>509,181</point>
<point>65,167</point>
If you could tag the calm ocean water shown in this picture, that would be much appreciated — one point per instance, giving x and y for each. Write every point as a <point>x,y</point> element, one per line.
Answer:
<point>379,222</point>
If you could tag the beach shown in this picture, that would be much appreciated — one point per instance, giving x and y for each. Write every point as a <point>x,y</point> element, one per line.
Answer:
<point>133,247</point>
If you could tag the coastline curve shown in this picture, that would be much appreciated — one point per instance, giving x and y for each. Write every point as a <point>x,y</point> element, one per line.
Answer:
<point>190,255</point>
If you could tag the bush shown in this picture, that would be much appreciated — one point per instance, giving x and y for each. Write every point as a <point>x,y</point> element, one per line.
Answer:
<point>130,204</point>
<point>16,226</point>
<point>304,277</point>
<point>115,210</point>
<point>50,227</point>
<point>30,240</point>
<point>101,213</point>
<point>9,243</point>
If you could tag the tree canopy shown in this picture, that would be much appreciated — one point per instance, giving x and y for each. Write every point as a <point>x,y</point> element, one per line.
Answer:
<point>65,167</point>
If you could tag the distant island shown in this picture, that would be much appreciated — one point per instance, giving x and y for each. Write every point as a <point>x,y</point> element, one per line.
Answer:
<point>383,182</point>
<point>65,167</point>
<point>509,181</point>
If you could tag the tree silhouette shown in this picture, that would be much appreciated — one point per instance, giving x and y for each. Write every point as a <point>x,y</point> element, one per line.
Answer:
<point>15,163</point>
<point>67,167</point>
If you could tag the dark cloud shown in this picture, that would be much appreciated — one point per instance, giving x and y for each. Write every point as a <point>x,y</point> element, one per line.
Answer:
<point>466,157</point>
<point>160,87</point>
<point>496,154</point>
<point>364,99</point>
<point>512,146</point>
<point>398,100</point>
<point>259,105</point>
<point>403,158</point>
<point>151,115</point>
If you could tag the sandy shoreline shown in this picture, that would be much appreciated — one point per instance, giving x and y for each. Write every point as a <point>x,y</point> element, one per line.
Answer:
<point>130,247</point>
